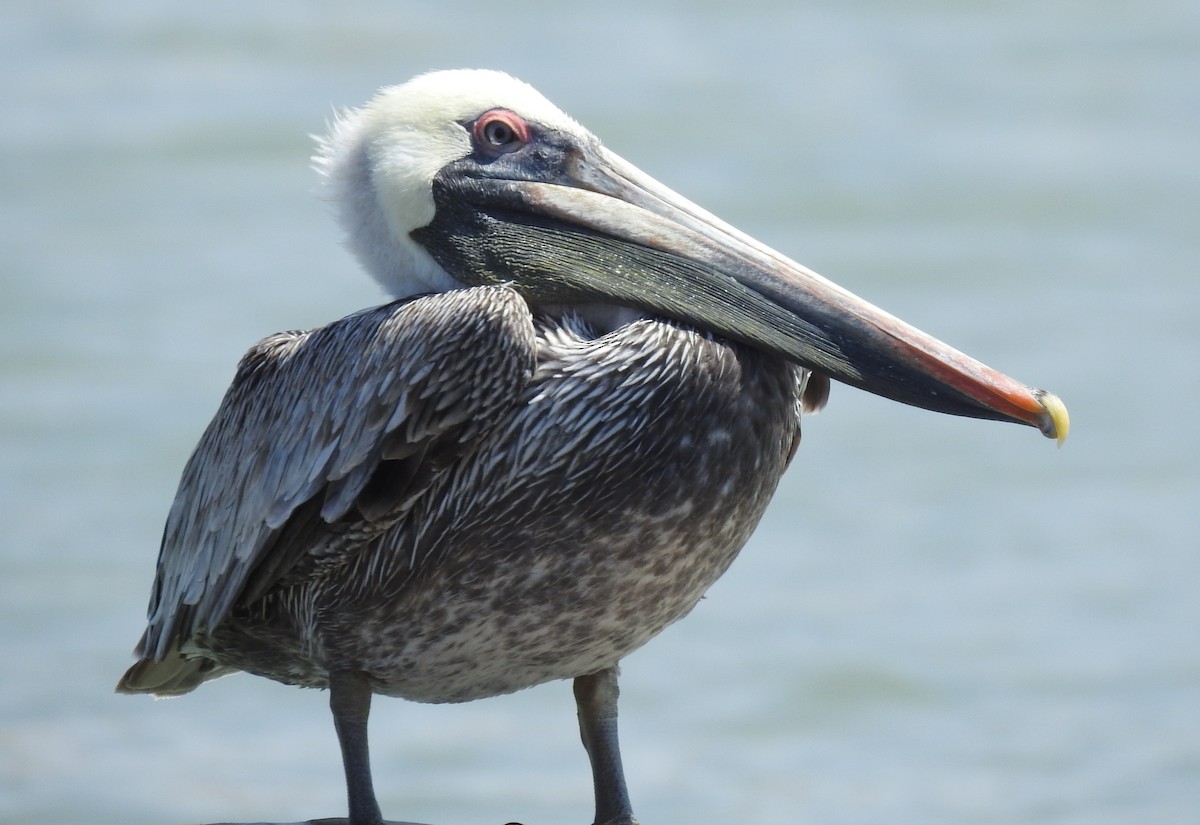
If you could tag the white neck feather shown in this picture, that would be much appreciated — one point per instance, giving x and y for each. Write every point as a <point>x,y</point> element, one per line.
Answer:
<point>365,193</point>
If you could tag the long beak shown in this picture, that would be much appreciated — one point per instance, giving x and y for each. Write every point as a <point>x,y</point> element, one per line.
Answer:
<point>600,230</point>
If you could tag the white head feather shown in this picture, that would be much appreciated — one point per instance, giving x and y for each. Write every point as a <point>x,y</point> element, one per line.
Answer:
<point>379,163</point>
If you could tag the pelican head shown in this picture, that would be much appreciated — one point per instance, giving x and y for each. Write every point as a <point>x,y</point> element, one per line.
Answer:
<point>462,178</point>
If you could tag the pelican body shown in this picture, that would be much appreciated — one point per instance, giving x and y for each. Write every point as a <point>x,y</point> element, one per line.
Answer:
<point>544,451</point>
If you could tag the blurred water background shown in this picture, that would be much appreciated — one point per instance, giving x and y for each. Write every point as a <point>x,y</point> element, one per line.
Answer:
<point>939,621</point>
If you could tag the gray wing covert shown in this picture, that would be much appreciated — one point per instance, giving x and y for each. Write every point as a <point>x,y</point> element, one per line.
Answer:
<point>310,420</point>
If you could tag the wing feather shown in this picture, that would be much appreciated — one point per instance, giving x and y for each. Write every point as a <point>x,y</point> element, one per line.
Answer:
<point>312,417</point>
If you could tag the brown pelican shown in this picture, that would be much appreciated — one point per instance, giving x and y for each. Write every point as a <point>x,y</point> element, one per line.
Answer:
<point>541,454</point>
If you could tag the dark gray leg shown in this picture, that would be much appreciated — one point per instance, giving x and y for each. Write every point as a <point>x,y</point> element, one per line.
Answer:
<point>350,701</point>
<point>596,697</point>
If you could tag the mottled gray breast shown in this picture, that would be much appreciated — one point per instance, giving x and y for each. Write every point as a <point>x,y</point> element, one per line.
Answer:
<point>595,510</point>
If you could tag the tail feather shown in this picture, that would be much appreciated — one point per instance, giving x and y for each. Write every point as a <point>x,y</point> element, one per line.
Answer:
<point>175,675</point>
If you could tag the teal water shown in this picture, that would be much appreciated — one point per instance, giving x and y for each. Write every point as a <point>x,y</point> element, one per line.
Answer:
<point>940,621</point>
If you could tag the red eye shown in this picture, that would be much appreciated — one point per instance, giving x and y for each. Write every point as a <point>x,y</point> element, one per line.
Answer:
<point>500,131</point>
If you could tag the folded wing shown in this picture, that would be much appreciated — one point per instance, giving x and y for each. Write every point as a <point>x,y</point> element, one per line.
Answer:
<point>342,426</point>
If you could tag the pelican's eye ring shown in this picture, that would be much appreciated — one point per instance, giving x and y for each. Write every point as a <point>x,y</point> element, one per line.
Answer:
<point>499,131</point>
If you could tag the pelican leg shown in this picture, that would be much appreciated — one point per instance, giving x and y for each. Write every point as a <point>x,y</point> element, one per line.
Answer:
<point>596,698</point>
<point>350,701</point>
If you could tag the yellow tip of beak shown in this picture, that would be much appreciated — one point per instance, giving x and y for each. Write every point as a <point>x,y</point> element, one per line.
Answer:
<point>1058,422</point>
